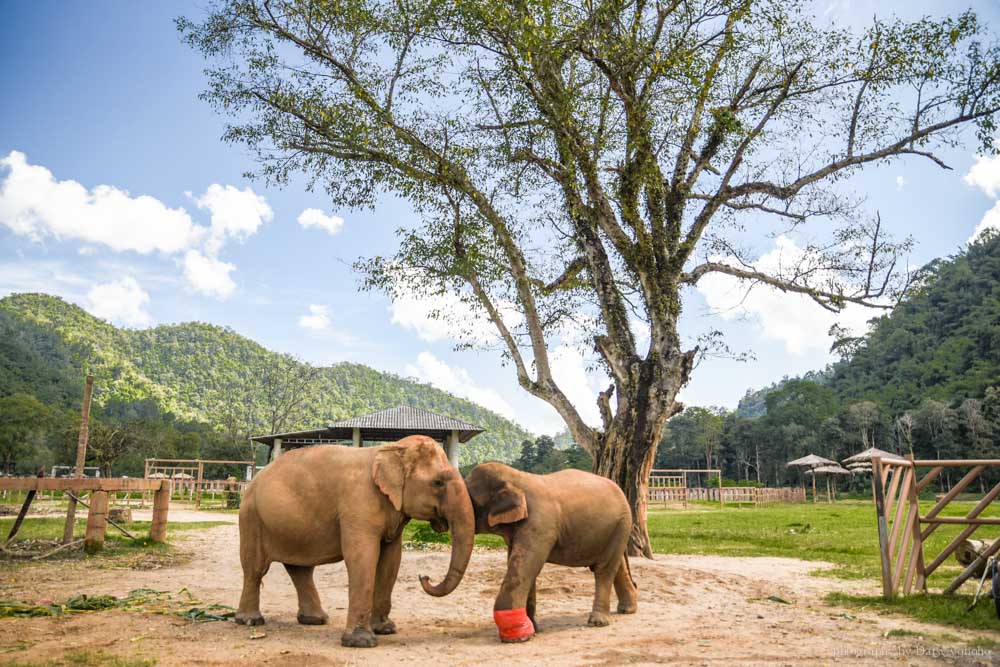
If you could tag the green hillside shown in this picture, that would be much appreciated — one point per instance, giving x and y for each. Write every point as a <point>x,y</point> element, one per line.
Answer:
<point>47,345</point>
<point>924,379</point>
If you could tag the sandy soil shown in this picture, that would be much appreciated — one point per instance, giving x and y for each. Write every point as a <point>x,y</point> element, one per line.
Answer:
<point>692,610</point>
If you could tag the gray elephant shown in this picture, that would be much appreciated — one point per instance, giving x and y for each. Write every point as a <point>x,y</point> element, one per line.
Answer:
<point>325,504</point>
<point>569,518</point>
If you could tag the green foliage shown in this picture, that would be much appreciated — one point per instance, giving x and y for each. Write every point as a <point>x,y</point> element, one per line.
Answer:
<point>164,391</point>
<point>541,457</point>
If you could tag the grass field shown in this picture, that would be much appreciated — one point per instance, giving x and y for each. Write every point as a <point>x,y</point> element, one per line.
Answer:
<point>843,533</point>
<point>51,528</point>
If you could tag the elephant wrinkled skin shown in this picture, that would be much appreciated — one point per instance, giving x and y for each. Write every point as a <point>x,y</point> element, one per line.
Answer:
<point>328,503</point>
<point>569,518</point>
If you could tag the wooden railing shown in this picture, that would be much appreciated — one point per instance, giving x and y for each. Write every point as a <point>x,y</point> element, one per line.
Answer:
<point>902,532</point>
<point>98,487</point>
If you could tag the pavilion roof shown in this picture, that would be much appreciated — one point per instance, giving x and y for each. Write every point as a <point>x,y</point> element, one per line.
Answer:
<point>383,426</point>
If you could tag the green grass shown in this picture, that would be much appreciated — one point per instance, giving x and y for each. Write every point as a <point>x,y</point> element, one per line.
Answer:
<point>89,659</point>
<point>420,532</point>
<point>844,534</point>
<point>947,610</point>
<point>51,528</point>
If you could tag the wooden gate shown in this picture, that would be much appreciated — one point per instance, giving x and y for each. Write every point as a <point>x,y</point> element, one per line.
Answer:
<point>902,532</point>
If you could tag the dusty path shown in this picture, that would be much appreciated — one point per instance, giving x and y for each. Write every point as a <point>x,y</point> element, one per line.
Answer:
<point>692,610</point>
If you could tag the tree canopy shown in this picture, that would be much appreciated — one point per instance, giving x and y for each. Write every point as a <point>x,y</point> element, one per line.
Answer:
<point>578,165</point>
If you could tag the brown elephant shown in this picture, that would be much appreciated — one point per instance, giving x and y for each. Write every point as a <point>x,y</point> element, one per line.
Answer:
<point>569,518</point>
<point>325,504</point>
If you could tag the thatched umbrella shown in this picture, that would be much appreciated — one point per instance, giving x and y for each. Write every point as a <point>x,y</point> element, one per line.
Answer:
<point>871,453</point>
<point>811,461</point>
<point>827,470</point>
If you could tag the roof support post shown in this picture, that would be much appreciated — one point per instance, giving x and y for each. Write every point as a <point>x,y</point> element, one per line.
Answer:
<point>276,450</point>
<point>451,447</point>
<point>356,436</point>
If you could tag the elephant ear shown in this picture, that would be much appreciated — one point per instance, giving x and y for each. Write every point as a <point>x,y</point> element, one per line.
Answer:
<point>387,473</point>
<point>508,505</point>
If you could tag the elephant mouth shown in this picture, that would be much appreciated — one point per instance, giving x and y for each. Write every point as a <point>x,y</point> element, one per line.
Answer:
<point>439,525</point>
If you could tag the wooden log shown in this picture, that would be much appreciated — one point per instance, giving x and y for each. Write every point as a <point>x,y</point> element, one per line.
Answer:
<point>967,572</point>
<point>20,516</point>
<point>81,456</point>
<point>968,552</point>
<point>97,522</point>
<point>161,503</point>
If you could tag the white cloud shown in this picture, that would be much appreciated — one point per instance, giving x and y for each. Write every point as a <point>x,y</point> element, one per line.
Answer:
<point>208,275</point>
<point>235,214</point>
<point>34,204</point>
<point>991,220</point>
<point>985,175</point>
<point>318,318</point>
<point>900,183</point>
<point>120,302</point>
<point>313,217</point>
<point>447,317</point>
<point>794,319</point>
<point>456,380</point>
<point>569,370</point>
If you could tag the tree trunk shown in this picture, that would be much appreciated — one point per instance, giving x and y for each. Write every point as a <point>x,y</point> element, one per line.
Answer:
<point>625,455</point>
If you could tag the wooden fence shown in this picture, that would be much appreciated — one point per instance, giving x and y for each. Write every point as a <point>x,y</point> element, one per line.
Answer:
<point>750,495</point>
<point>97,516</point>
<point>188,476</point>
<point>903,532</point>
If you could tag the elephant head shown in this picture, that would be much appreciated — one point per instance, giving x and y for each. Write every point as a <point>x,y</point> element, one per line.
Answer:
<point>419,481</point>
<point>496,500</point>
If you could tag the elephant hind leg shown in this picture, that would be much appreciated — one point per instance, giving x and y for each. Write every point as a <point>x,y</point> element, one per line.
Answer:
<point>255,566</point>
<point>310,608</point>
<point>604,578</point>
<point>625,589</point>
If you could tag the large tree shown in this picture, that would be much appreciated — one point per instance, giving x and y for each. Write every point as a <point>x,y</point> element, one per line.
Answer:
<point>577,166</point>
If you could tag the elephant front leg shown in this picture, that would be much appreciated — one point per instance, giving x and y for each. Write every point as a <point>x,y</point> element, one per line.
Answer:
<point>310,608</point>
<point>385,579</point>
<point>510,609</point>
<point>361,555</point>
<point>530,607</point>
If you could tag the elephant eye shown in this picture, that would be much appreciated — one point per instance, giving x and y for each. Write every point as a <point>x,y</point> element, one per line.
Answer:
<point>438,483</point>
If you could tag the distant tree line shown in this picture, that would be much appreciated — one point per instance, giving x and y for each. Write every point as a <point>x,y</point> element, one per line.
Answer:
<point>924,380</point>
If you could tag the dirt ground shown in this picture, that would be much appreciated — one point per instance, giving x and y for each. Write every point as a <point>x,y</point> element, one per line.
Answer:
<point>692,610</point>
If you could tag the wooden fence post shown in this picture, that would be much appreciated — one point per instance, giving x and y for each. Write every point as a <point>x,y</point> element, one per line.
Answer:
<point>97,522</point>
<point>883,529</point>
<point>161,503</point>
<point>81,457</point>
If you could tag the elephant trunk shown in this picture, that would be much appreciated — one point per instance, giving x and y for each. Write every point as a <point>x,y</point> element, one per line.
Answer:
<point>462,521</point>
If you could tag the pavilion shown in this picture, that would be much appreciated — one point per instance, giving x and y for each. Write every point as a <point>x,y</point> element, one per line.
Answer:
<point>384,426</point>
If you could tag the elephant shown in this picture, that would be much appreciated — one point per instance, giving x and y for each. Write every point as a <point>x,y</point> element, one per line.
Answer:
<point>328,503</point>
<point>570,517</point>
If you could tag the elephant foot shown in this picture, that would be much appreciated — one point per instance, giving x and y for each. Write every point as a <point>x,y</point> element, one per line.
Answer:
<point>598,619</point>
<point>385,627</point>
<point>254,618</point>
<point>627,607</point>
<point>359,638</point>
<point>313,619</point>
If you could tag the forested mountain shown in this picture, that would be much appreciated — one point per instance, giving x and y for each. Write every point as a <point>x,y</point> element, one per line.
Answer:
<point>925,379</point>
<point>200,373</point>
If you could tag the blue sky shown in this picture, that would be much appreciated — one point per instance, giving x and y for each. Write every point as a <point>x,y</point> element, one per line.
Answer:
<point>104,94</point>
